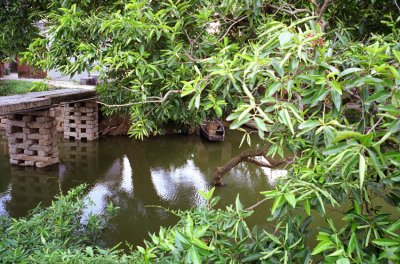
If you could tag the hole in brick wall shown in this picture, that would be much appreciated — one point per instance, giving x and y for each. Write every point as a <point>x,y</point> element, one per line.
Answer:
<point>71,113</point>
<point>16,129</point>
<point>19,162</point>
<point>35,141</point>
<point>84,157</point>
<point>72,156</point>
<point>72,129</point>
<point>83,139</point>
<point>83,130</point>
<point>33,118</point>
<point>35,153</point>
<point>83,149</point>
<point>20,151</point>
<point>18,117</point>
<point>71,138</point>
<point>72,121</point>
<point>34,130</point>
<point>19,140</point>
<point>83,114</point>
<point>73,148</point>
<point>83,122</point>
<point>71,105</point>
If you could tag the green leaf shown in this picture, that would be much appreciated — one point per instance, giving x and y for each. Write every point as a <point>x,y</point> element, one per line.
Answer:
<point>307,206</point>
<point>291,199</point>
<point>386,242</point>
<point>260,124</point>
<point>397,55</point>
<point>284,114</point>
<point>277,203</point>
<point>194,255</point>
<point>343,261</point>
<point>335,149</point>
<point>322,246</point>
<point>379,96</point>
<point>362,168</point>
<point>349,71</point>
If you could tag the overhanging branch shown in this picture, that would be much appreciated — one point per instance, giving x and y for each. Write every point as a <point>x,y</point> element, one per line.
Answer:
<point>152,99</point>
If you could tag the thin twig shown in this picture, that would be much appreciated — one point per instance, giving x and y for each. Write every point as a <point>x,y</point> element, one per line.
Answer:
<point>229,28</point>
<point>397,4</point>
<point>375,125</point>
<point>255,205</point>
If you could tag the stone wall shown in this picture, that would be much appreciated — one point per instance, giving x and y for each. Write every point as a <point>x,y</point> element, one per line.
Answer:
<point>32,138</point>
<point>3,123</point>
<point>81,121</point>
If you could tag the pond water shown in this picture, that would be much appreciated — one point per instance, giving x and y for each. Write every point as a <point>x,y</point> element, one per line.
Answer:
<point>165,171</point>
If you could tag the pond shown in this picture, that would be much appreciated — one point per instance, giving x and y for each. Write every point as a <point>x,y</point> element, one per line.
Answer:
<point>164,171</point>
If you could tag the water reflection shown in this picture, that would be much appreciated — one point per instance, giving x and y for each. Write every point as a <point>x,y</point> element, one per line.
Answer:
<point>164,171</point>
<point>168,183</point>
<point>28,188</point>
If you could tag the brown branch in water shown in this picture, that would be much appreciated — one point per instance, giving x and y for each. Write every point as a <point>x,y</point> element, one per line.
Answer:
<point>248,155</point>
<point>153,99</point>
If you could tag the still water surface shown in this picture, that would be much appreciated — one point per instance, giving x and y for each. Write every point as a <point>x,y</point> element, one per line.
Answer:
<point>167,171</point>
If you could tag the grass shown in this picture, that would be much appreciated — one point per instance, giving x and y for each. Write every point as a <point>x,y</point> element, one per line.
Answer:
<point>10,87</point>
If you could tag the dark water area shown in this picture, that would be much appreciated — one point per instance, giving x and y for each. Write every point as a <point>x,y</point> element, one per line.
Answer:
<point>163,171</point>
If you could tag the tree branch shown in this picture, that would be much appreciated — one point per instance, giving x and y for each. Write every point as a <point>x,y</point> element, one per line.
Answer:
<point>229,28</point>
<point>288,11</point>
<point>153,99</point>
<point>249,155</point>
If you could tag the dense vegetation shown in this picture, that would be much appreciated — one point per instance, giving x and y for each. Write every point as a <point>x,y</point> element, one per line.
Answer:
<point>314,76</point>
<point>15,87</point>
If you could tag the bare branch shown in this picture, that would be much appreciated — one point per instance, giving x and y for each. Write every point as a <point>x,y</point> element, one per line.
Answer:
<point>397,4</point>
<point>323,9</point>
<point>255,205</point>
<point>153,99</point>
<point>247,156</point>
<point>229,28</point>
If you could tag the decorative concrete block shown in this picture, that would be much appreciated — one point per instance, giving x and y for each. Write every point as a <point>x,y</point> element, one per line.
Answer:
<point>31,138</point>
<point>81,121</point>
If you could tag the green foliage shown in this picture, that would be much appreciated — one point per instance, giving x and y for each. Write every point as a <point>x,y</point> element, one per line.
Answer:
<point>15,87</point>
<point>17,20</point>
<point>57,233</point>
<point>39,87</point>
<point>145,50</point>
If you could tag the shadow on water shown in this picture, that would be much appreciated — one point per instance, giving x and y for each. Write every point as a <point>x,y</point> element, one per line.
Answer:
<point>165,171</point>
